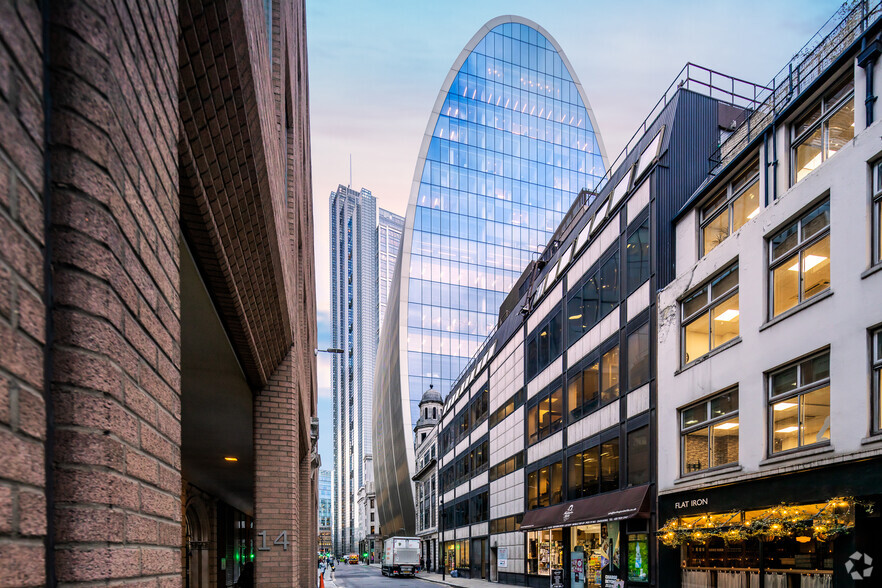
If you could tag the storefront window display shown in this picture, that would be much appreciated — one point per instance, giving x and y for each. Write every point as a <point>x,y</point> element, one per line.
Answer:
<point>544,551</point>
<point>600,544</point>
<point>457,554</point>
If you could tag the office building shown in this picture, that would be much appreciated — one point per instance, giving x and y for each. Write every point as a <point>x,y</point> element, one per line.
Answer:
<point>546,442</point>
<point>354,307</point>
<point>390,227</point>
<point>770,337</point>
<point>325,513</point>
<point>157,295</point>
<point>510,142</point>
<point>425,440</point>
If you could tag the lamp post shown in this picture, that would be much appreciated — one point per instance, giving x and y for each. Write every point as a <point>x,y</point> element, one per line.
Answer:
<point>328,350</point>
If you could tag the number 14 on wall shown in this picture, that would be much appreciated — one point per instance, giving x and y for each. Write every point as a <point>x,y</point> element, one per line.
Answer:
<point>282,540</point>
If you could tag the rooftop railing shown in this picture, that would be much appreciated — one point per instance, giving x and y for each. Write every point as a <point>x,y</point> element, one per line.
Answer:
<point>832,39</point>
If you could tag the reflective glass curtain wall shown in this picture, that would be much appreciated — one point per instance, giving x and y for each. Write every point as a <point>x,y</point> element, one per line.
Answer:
<point>512,146</point>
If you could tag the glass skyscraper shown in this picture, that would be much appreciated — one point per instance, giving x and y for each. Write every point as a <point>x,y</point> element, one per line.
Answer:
<point>509,144</point>
<point>389,229</point>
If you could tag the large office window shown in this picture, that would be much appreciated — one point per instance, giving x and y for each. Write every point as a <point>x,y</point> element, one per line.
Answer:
<point>709,433</point>
<point>506,409</point>
<point>479,407</point>
<point>638,456</point>
<point>593,385</point>
<point>876,233</point>
<point>876,375</point>
<point>545,486</point>
<point>733,206</point>
<point>710,315</point>
<point>637,257</point>
<point>593,470</point>
<point>799,259</point>
<point>638,357</point>
<point>505,467</point>
<point>799,403</point>
<point>546,416</point>
<point>544,345</point>
<point>824,129</point>
<point>594,299</point>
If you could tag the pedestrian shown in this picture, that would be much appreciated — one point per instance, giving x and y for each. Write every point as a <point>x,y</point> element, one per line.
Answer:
<point>429,563</point>
<point>246,576</point>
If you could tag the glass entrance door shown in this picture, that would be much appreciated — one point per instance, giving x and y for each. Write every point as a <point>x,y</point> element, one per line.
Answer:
<point>480,563</point>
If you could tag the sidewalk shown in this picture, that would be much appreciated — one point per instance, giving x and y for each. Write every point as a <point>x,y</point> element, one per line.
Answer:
<point>448,581</point>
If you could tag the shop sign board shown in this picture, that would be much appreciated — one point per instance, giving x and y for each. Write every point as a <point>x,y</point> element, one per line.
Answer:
<point>502,557</point>
<point>557,578</point>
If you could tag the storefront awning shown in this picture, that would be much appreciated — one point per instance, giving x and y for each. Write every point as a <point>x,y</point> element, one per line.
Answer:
<point>615,506</point>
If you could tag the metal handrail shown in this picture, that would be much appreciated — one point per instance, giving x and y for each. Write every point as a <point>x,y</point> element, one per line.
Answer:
<point>827,44</point>
<point>740,93</point>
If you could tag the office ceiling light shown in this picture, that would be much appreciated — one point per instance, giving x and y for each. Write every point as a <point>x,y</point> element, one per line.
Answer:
<point>726,426</point>
<point>784,406</point>
<point>808,263</point>
<point>728,315</point>
<point>791,429</point>
<point>231,458</point>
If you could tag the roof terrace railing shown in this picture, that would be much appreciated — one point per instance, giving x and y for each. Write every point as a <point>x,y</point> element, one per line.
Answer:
<point>725,88</point>
<point>831,40</point>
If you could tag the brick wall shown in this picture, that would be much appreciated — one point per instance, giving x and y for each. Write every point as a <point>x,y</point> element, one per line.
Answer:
<point>116,352</point>
<point>22,311</point>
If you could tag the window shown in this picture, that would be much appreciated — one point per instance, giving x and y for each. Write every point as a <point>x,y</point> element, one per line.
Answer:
<point>479,508</point>
<point>877,214</point>
<point>546,416</point>
<point>503,468</point>
<point>799,259</point>
<point>544,345</point>
<point>726,212</point>
<point>593,385</point>
<point>637,256</point>
<point>479,407</point>
<point>593,470</point>
<point>638,357</point>
<point>594,299</point>
<point>545,486</point>
<point>506,409</point>
<point>799,403</point>
<point>638,456</point>
<point>506,524</point>
<point>710,315</point>
<point>876,350</point>
<point>824,129</point>
<point>709,433</point>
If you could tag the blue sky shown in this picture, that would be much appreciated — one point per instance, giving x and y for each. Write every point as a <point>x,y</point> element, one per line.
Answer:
<point>375,69</point>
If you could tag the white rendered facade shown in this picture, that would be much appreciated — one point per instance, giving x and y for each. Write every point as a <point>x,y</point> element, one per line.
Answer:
<point>834,320</point>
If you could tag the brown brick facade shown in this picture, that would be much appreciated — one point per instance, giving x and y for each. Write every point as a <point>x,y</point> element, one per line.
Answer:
<point>164,121</point>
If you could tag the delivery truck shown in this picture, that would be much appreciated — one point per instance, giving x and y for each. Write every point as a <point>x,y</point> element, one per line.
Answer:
<point>401,556</point>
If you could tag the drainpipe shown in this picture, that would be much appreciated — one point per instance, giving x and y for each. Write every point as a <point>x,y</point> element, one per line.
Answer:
<point>867,60</point>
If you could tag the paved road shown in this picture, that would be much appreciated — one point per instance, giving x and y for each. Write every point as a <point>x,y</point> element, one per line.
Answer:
<point>362,576</point>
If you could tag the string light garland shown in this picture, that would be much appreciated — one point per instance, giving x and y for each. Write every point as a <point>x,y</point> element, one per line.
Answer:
<point>822,522</point>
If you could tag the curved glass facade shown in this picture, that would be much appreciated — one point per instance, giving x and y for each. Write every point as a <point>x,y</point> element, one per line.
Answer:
<point>510,143</point>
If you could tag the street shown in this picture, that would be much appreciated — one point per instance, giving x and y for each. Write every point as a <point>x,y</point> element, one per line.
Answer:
<point>361,576</point>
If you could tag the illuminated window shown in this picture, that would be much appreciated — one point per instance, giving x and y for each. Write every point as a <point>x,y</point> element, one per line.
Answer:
<point>593,299</point>
<point>799,404</point>
<point>545,486</point>
<point>824,129</point>
<point>726,212</point>
<point>710,315</point>
<point>709,433</point>
<point>799,259</point>
<point>545,417</point>
<point>593,470</point>
<point>593,384</point>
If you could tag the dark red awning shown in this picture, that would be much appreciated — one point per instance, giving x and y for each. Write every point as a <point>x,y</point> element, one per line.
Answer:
<point>615,506</point>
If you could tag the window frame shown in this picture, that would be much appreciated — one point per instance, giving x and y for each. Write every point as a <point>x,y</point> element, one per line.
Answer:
<point>576,413</point>
<point>598,484</point>
<point>645,261</point>
<point>543,432</point>
<point>550,495</point>
<point>706,308</point>
<point>876,203</point>
<point>604,306</point>
<point>801,245</point>
<point>800,390</point>
<point>709,421</point>
<point>741,182</point>
<point>827,111</point>
<point>876,377</point>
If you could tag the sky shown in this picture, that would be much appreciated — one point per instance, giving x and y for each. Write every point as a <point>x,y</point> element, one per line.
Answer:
<point>375,70</point>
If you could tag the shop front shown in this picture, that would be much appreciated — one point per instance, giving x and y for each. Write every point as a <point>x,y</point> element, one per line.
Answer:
<point>599,542</point>
<point>815,529</point>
